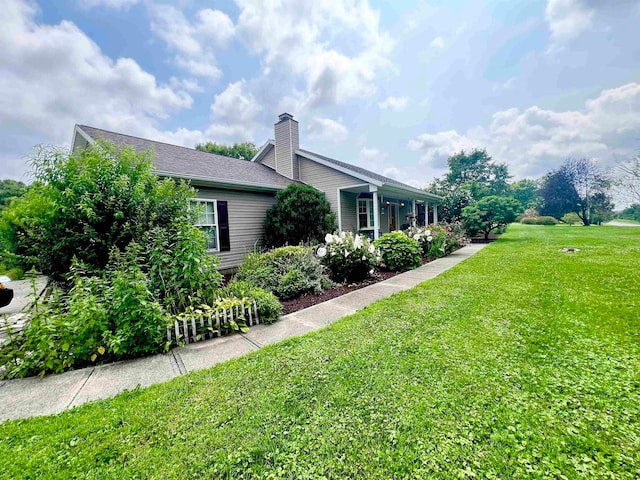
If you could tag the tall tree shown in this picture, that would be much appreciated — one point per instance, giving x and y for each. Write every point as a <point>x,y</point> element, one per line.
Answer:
<point>591,183</point>
<point>579,186</point>
<point>526,191</point>
<point>629,178</point>
<point>477,172</point>
<point>559,196</point>
<point>243,151</point>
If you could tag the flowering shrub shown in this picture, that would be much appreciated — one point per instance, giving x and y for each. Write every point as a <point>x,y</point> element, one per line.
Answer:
<point>438,240</point>
<point>349,258</point>
<point>398,251</point>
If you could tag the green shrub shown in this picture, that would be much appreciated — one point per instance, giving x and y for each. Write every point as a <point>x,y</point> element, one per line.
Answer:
<point>398,251</point>
<point>97,319</point>
<point>349,258</point>
<point>287,272</point>
<point>301,215</point>
<point>269,308</point>
<point>85,203</point>
<point>181,272</point>
<point>490,213</point>
<point>138,321</point>
<point>571,218</point>
<point>544,220</point>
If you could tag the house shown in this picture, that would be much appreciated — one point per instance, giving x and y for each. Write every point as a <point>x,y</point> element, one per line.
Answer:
<point>236,194</point>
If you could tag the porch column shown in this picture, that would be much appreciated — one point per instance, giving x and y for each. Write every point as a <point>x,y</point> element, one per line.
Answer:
<point>435,213</point>
<point>426,213</point>
<point>414,213</point>
<point>376,216</point>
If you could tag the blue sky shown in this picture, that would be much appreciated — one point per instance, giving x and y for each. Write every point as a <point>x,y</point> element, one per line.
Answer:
<point>393,86</point>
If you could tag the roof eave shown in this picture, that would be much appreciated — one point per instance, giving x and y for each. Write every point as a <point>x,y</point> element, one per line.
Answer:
<point>219,182</point>
<point>346,171</point>
<point>263,151</point>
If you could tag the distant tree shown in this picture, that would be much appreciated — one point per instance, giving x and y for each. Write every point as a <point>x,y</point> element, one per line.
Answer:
<point>526,191</point>
<point>490,213</point>
<point>630,213</point>
<point>243,151</point>
<point>478,173</point>
<point>591,184</point>
<point>559,195</point>
<point>301,214</point>
<point>629,178</point>
<point>601,208</point>
<point>10,189</point>
<point>453,200</point>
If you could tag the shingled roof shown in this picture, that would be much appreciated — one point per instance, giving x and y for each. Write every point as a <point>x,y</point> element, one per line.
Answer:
<point>183,162</point>
<point>367,173</point>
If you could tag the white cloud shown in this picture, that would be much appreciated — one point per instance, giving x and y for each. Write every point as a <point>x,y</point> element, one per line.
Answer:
<point>535,140</point>
<point>195,43</point>
<point>568,18</point>
<point>52,76</point>
<point>115,4</point>
<point>394,103</point>
<point>335,48</point>
<point>437,42</point>
<point>327,130</point>
<point>234,113</point>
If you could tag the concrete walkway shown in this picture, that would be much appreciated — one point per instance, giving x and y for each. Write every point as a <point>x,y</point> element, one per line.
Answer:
<point>52,394</point>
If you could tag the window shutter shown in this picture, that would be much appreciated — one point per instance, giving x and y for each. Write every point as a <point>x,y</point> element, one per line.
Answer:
<point>223,226</point>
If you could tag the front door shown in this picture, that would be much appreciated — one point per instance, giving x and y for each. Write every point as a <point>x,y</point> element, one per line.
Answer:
<point>393,217</point>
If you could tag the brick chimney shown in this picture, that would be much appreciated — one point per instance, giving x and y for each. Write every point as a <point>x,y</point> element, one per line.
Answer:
<point>287,142</point>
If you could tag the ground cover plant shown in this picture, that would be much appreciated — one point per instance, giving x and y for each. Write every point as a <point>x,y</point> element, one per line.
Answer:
<point>287,272</point>
<point>521,362</point>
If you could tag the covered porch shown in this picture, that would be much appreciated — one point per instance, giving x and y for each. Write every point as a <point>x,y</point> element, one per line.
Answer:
<point>374,210</point>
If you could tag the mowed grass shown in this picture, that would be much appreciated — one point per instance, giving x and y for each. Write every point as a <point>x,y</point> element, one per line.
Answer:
<point>521,362</point>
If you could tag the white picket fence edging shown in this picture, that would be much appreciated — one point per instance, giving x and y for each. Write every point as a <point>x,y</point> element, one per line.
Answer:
<point>210,324</point>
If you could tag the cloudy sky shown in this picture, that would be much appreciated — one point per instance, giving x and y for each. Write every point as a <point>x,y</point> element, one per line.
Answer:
<point>393,86</point>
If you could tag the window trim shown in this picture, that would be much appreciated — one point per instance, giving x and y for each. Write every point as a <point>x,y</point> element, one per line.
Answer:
<point>369,206</point>
<point>215,213</point>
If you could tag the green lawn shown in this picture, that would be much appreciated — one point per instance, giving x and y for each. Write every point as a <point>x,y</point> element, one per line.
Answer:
<point>522,362</point>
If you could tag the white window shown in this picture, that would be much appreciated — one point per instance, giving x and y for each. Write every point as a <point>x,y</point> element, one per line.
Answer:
<point>208,221</point>
<point>365,213</point>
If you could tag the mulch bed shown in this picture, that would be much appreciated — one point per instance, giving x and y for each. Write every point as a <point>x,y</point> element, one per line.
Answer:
<point>309,300</point>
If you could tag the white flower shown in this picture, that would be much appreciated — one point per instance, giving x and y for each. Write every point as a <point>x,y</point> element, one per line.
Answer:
<point>427,232</point>
<point>372,248</point>
<point>343,234</point>
<point>371,272</point>
<point>357,242</point>
<point>429,238</point>
<point>328,238</point>
<point>364,257</point>
<point>416,236</point>
<point>321,252</point>
<point>346,253</point>
<point>332,253</point>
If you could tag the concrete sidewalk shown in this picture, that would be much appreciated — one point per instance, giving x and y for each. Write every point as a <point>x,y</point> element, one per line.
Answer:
<point>52,394</point>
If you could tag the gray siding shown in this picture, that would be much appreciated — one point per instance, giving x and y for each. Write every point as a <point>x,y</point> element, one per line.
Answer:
<point>287,142</point>
<point>349,211</point>
<point>246,219</point>
<point>325,179</point>
<point>270,158</point>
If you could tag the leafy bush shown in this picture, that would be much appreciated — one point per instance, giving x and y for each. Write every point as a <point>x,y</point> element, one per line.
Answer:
<point>287,272</point>
<point>98,318</point>
<point>398,251</point>
<point>490,213</point>
<point>84,204</point>
<point>181,271</point>
<point>301,215</point>
<point>269,308</point>
<point>571,218</point>
<point>544,220</point>
<point>348,258</point>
